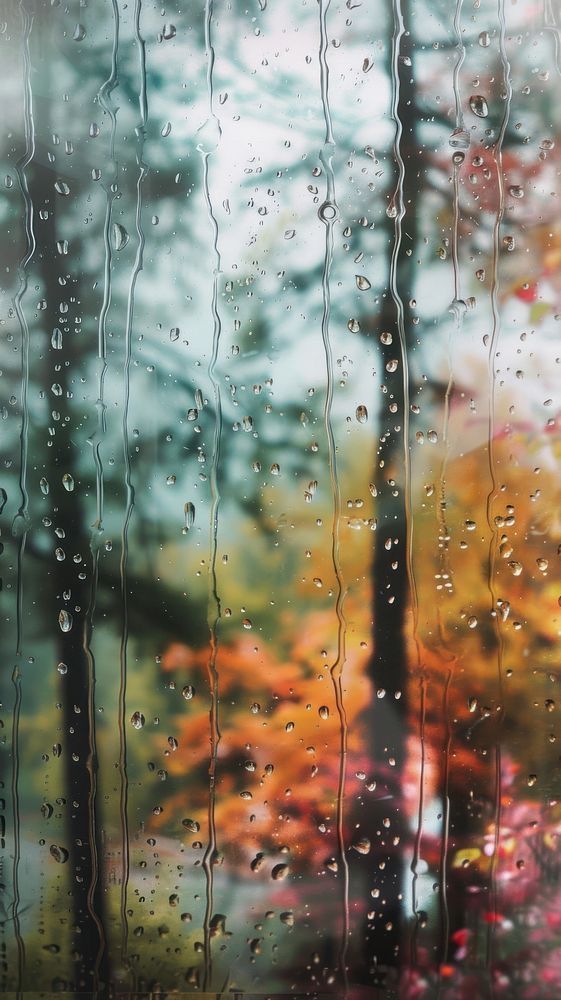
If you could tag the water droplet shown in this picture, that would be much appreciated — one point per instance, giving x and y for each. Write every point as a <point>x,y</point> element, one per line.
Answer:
<point>290,234</point>
<point>484,39</point>
<point>362,846</point>
<point>516,191</point>
<point>43,483</point>
<point>68,482</point>
<point>93,130</point>
<point>65,620</point>
<point>479,105</point>
<point>361,414</point>
<point>279,872</point>
<point>79,33</point>
<point>188,692</point>
<point>191,825</point>
<point>503,608</point>
<point>61,187</point>
<point>362,283</point>
<point>169,31</point>
<point>174,333</point>
<point>120,236</point>
<point>353,325</point>
<point>327,212</point>
<point>60,854</point>
<point>137,720</point>
<point>56,339</point>
<point>189,511</point>
<point>247,623</point>
<point>166,129</point>
<point>323,712</point>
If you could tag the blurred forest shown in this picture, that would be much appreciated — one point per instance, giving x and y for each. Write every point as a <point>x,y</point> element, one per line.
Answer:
<point>279,498</point>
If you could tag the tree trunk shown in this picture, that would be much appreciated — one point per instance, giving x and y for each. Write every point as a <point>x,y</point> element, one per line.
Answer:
<point>383,869</point>
<point>69,599</point>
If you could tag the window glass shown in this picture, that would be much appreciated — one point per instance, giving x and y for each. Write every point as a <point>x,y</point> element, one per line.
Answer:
<point>279,498</point>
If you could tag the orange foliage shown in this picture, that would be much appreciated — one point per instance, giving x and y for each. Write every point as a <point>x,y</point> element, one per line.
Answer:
<point>279,749</point>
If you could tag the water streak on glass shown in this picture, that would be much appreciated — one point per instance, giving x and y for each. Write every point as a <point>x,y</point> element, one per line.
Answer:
<point>329,214</point>
<point>105,100</point>
<point>214,607</point>
<point>397,210</point>
<point>129,487</point>
<point>16,680</point>
<point>21,521</point>
<point>493,545</point>
<point>457,310</point>
<point>551,23</point>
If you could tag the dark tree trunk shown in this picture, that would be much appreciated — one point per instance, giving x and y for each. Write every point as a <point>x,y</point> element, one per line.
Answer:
<point>69,591</point>
<point>383,816</point>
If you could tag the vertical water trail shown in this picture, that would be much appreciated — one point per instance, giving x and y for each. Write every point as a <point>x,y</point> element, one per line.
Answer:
<point>130,492</point>
<point>214,607</point>
<point>498,158</point>
<point>328,214</point>
<point>550,24</point>
<point>214,599</point>
<point>443,884</point>
<point>16,680</point>
<point>458,307</point>
<point>397,210</point>
<point>105,101</point>
<point>20,525</point>
<point>457,311</point>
